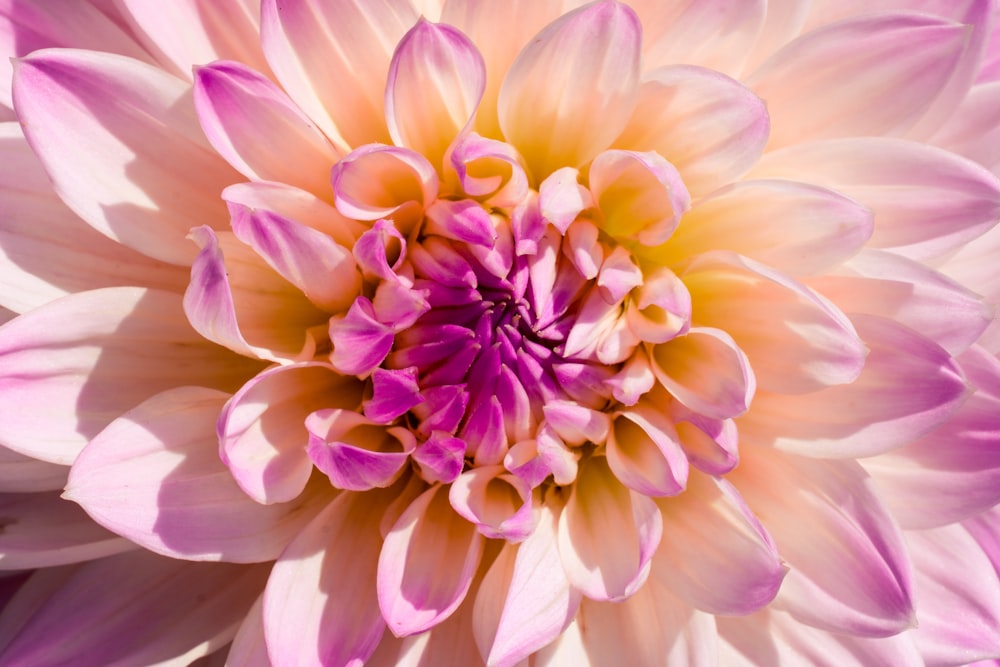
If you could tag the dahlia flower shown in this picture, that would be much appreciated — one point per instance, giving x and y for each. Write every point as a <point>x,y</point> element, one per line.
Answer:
<point>505,332</point>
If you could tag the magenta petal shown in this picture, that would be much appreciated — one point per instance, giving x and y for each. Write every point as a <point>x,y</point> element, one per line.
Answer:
<point>360,341</point>
<point>393,394</point>
<point>441,457</point>
<point>354,452</point>
<point>462,220</point>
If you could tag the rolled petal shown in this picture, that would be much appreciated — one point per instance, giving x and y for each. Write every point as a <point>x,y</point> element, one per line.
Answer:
<point>498,504</point>
<point>711,528</point>
<point>249,121</point>
<point>134,608</point>
<point>927,202</point>
<point>662,309</point>
<point>849,567</point>
<point>644,453</point>
<point>490,169</point>
<point>54,357</point>
<point>594,53</point>
<point>154,476</point>
<point>706,371</point>
<point>318,610</point>
<point>796,340</point>
<point>42,530</point>
<point>341,89</point>
<point>909,386</point>
<point>607,534</point>
<point>710,127</point>
<point>797,228</point>
<point>435,82</point>
<point>91,148</point>
<point>262,432</point>
<point>354,452</point>
<point>426,564</point>
<point>891,82</point>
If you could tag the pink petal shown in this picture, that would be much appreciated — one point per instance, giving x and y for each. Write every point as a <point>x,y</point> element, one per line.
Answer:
<point>849,567</point>
<point>891,83</point>
<point>360,341</point>
<point>575,423</point>
<point>796,340</point>
<point>594,53</point>
<point>498,504</point>
<point>711,529</point>
<point>332,58</point>
<point>490,169</point>
<point>250,121</point>
<point>679,106</point>
<point>248,649</point>
<point>662,308</point>
<point>55,358</point>
<point>973,131</point>
<point>764,219</point>
<point>426,564</point>
<point>607,534</point>
<point>909,386</point>
<point>927,202</point>
<point>561,198</point>
<point>23,474</point>
<point>42,530</point>
<point>354,452</point>
<point>435,82</point>
<point>134,608</point>
<point>644,453</point>
<point>154,476</point>
<point>320,605</point>
<point>262,433</point>
<point>91,147</point>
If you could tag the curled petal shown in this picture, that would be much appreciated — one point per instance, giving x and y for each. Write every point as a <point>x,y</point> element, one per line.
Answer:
<point>662,308</point>
<point>441,457</point>
<point>594,53</point>
<point>575,423</point>
<point>644,453</point>
<point>499,504</point>
<point>634,379</point>
<point>393,394</point>
<point>354,452</point>
<point>561,197</point>
<point>489,169</point>
<point>360,341</point>
<point>463,220</point>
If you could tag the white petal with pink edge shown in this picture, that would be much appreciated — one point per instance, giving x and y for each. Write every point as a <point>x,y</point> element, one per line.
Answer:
<point>54,358</point>
<point>139,169</point>
<point>499,504</point>
<point>154,476</point>
<point>134,608</point>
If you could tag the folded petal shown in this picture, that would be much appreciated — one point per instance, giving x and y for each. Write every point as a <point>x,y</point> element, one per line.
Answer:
<point>134,608</point>
<point>890,82</point>
<point>250,121</point>
<point>154,476</point>
<point>354,452</point>
<point>593,52</point>
<point>720,559</point>
<point>607,534</point>
<point>332,58</point>
<point>69,368</point>
<point>927,201</point>
<point>121,143</point>
<point>426,564</point>
<point>849,569</point>
<point>712,128</point>
<point>644,452</point>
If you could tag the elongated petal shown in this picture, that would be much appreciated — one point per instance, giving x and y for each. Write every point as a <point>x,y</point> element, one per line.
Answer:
<point>973,131</point>
<point>426,564</point>
<point>320,605</point>
<point>927,202</point>
<point>797,228</point>
<point>711,529</point>
<point>712,128</point>
<point>92,149</point>
<point>41,530</point>
<point>435,82</point>
<point>154,475</point>
<point>593,52</point>
<point>796,340</point>
<point>849,568</point>
<point>134,608</point>
<point>607,534</point>
<point>332,58</point>
<point>55,357</point>
<point>909,386</point>
<point>248,649</point>
<point>249,121</point>
<point>891,82</point>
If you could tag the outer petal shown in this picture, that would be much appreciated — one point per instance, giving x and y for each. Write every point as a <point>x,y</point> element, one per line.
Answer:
<point>593,52</point>
<point>248,649</point>
<point>436,80</point>
<point>927,202</point>
<point>154,475</point>
<point>712,128</point>
<point>134,608</point>
<point>23,474</point>
<point>259,130</point>
<point>607,534</point>
<point>41,530</point>
<point>332,58</point>
<point>426,564</point>
<point>711,529</point>
<point>69,368</point>
<point>849,567</point>
<point>973,131</point>
<point>139,169</point>
<point>320,606</point>
<point>891,83</point>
